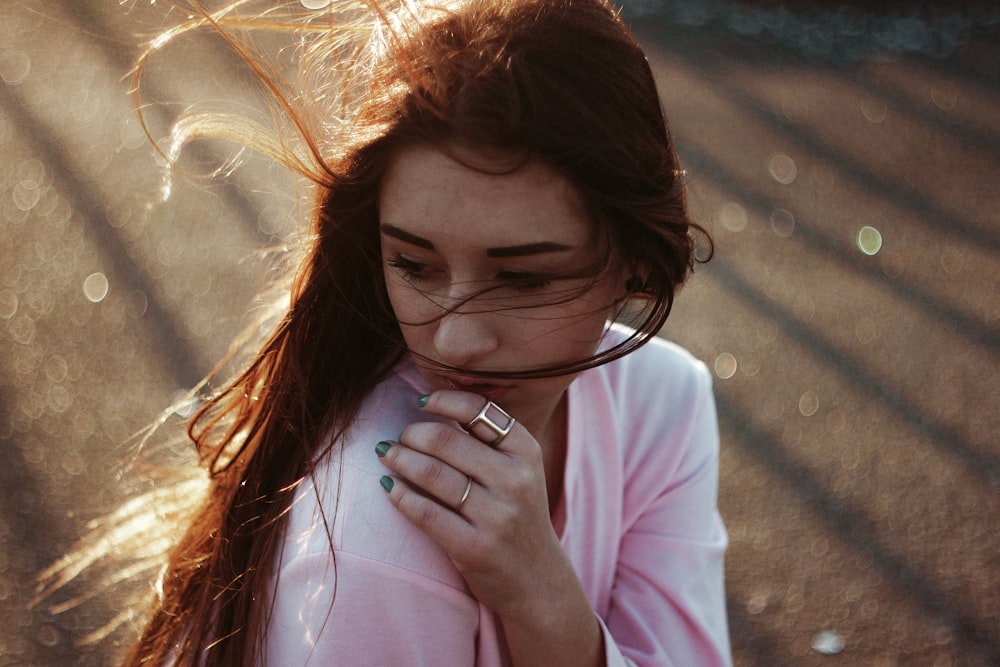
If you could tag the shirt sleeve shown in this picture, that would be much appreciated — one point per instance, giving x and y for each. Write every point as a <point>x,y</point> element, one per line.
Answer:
<point>351,610</point>
<point>668,599</point>
<point>354,582</point>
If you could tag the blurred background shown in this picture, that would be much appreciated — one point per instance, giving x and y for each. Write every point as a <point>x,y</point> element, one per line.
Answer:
<point>844,155</point>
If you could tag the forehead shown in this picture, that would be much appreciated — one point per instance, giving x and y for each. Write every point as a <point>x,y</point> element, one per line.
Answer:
<point>486,198</point>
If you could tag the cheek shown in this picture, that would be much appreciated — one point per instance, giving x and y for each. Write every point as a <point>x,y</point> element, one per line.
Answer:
<point>413,312</point>
<point>392,289</point>
<point>546,342</point>
<point>592,312</point>
<point>408,304</point>
<point>416,338</point>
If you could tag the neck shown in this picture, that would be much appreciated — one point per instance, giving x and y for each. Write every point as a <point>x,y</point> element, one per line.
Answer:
<point>554,443</point>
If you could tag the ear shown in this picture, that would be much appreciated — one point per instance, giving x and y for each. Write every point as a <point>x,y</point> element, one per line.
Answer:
<point>635,278</point>
<point>632,284</point>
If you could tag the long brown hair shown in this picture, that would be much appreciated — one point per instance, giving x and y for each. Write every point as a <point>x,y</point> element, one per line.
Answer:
<point>558,81</point>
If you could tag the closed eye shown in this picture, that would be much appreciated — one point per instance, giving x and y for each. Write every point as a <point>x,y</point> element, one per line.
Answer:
<point>525,282</point>
<point>519,281</point>
<point>411,270</point>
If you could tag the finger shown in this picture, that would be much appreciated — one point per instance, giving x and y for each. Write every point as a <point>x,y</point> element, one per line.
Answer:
<point>447,528</point>
<point>429,474</point>
<point>455,447</point>
<point>484,419</point>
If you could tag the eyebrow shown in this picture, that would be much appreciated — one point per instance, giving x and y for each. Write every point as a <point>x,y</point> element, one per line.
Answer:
<point>503,251</point>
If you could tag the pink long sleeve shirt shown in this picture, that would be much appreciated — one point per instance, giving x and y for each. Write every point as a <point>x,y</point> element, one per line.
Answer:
<point>637,519</point>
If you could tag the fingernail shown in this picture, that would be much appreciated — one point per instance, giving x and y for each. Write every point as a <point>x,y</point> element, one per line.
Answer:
<point>382,447</point>
<point>386,483</point>
<point>422,401</point>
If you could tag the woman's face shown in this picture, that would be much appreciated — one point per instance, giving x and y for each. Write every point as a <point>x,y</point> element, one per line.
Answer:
<point>449,232</point>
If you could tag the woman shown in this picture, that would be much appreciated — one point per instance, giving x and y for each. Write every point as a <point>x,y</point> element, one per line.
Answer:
<point>445,454</point>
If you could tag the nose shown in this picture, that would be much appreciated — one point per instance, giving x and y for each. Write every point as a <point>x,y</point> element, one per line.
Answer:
<point>465,339</point>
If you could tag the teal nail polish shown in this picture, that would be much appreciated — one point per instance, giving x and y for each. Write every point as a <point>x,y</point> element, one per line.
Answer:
<point>382,447</point>
<point>386,483</point>
<point>422,401</point>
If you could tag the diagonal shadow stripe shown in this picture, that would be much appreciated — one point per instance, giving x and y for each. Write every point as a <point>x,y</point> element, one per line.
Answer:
<point>854,529</point>
<point>973,138</point>
<point>766,54</point>
<point>822,243</point>
<point>943,436</point>
<point>22,502</point>
<point>910,200</point>
<point>233,198</point>
<point>983,72</point>
<point>185,366</point>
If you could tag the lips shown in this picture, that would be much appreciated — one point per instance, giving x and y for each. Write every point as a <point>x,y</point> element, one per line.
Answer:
<point>492,392</point>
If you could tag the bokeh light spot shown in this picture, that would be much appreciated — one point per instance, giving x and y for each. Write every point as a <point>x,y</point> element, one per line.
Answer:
<point>56,368</point>
<point>944,95</point>
<point>95,287</point>
<point>952,260</point>
<point>757,603</point>
<point>866,330</point>
<point>869,240</point>
<point>750,365</point>
<point>943,635</point>
<point>733,217</point>
<point>131,133</point>
<point>22,330</point>
<point>136,303</point>
<point>274,220</point>
<point>14,67</point>
<point>828,643</point>
<point>184,404</point>
<point>25,195</point>
<point>796,108</point>
<point>782,222</point>
<point>725,365</point>
<point>84,424</point>
<point>782,168</point>
<point>809,404</point>
<point>8,304</point>
<point>836,421</point>
<point>804,308</point>
<point>874,111</point>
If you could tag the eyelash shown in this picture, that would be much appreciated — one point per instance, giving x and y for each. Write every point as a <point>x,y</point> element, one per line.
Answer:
<point>526,282</point>
<point>411,270</point>
<point>520,282</point>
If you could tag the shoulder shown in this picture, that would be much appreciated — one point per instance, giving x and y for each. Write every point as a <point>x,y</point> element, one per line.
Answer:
<point>342,507</point>
<point>659,373</point>
<point>660,407</point>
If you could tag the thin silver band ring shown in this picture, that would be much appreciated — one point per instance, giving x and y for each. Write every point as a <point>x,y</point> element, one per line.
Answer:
<point>465,496</point>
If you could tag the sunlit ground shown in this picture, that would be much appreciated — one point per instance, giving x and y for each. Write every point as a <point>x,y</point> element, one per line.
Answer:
<point>846,163</point>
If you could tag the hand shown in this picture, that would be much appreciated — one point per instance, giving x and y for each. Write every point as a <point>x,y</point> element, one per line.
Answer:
<point>501,540</point>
